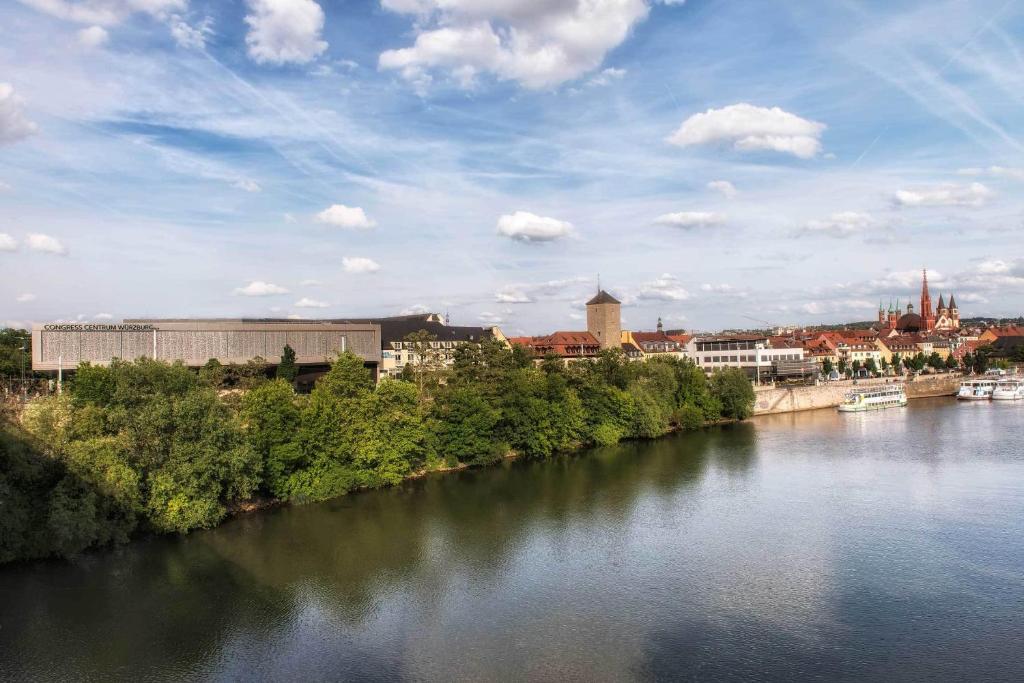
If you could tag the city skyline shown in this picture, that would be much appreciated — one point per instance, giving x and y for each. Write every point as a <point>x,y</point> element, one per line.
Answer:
<point>171,158</point>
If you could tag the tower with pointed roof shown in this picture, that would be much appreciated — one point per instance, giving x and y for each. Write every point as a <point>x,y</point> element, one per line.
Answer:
<point>894,313</point>
<point>604,319</point>
<point>927,316</point>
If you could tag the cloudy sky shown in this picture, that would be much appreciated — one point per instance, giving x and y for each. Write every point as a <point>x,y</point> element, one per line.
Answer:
<point>716,161</point>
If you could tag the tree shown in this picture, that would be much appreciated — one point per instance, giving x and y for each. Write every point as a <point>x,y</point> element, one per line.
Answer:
<point>424,357</point>
<point>871,366</point>
<point>287,369</point>
<point>735,391</point>
<point>843,367</point>
<point>270,418</point>
<point>464,425</point>
<point>897,363</point>
<point>935,361</point>
<point>856,365</point>
<point>213,373</point>
<point>952,363</point>
<point>827,367</point>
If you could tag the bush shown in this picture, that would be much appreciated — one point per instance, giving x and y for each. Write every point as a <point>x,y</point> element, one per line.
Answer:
<point>689,417</point>
<point>607,435</point>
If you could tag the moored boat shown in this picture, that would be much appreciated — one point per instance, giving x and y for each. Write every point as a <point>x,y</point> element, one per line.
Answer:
<point>874,398</point>
<point>976,389</point>
<point>1008,390</point>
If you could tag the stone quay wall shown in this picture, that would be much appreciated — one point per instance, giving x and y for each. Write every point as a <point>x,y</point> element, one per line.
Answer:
<point>773,400</point>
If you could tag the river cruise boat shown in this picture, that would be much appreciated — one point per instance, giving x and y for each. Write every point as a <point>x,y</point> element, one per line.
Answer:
<point>976,389</point>
<point>1008,390</point>
<point>874,398</point>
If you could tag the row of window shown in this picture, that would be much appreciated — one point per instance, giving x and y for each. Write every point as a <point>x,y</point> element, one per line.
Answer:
<point>750,358</point>
<point>728,345</point>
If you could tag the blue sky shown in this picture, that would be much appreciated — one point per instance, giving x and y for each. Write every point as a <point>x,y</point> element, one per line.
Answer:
<point>717,162</point>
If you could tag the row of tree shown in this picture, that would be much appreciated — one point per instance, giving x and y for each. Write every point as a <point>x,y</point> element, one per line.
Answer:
<point>147,446</point>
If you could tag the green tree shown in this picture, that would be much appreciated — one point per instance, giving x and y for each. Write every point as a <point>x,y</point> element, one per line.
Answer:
<point>827,367</point>
<point>287,368</point>
<point>733,389</point>
<point>271,420</point>
<point>464,425</point>
<point>935,361</point>
<point>871,366</point>
<point>213,373</point>
<point>425,359</point>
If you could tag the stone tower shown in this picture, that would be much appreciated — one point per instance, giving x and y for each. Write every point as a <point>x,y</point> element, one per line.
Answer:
<point>604,320</point>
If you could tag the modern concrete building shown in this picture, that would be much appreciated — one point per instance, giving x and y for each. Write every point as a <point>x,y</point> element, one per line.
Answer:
<point>754,353</point>
<point>604,320</point>
<point>62,346</point>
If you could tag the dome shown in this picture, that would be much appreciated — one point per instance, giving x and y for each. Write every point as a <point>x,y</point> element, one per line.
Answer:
<point>910,322</point>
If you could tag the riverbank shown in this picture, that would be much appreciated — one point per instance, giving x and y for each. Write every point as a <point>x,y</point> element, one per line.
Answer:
<point>775,400</point>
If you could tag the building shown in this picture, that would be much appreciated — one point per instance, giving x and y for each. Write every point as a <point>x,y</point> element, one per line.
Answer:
<point>567,345</point>
<point>652,344</point>
<point>63,346</point>
<point>397,351</point>
<point>945,318</point>
<point>751,352</point>
<point>604,320</point>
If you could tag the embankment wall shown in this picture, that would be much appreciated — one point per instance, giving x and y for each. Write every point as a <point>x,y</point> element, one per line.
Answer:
<point>772,400</point>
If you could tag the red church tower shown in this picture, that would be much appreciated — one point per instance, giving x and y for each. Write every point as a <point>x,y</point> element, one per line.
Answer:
<point>927,314</point>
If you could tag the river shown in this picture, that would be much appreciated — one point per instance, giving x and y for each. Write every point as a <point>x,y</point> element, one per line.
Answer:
<point>884,546</point>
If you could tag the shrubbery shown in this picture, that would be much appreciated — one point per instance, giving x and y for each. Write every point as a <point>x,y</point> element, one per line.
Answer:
<point>152,447</point>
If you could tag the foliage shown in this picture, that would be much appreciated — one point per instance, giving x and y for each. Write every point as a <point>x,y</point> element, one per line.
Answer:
<point>287,369</point>
<point>734,390</point>
<point>147,446</point>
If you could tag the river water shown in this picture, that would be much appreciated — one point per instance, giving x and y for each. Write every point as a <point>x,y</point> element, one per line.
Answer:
<point>812,546</point>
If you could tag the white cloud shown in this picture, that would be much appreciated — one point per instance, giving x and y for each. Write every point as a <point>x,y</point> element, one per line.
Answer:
<point>45,243</point>
<point>537,43</point>
<point>359,264</point>
<point>837,306</point>
<point>104,12</point>
<point>723,187</point>
<point>247,185</point>
<point>527,227</point>
<point>606,77</point>
<point>749,128</point>
<point>306,302</point>
<point>93,36</point>
<point>529,293</point>
<point>688,220</point>
<point>948,194</point>
<point>415,309</point>
<point>25,298</point>
<point>342,216</point>
<point>995,172</point>
<point>260,288</point>
<point>842,224</point>
<point>665,288</point>
<point>289,218</point>
<point>102,316</point>
<point>4,187</point>
<point>14,125</point>
<point>7,243</point>
<point>717,289</point>
<point>311,283</point>
<point>188,36</point>
<point>490,318</point>
<point>284,31</point>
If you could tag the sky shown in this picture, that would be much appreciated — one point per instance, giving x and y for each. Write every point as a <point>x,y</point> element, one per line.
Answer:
<point>716,163</point>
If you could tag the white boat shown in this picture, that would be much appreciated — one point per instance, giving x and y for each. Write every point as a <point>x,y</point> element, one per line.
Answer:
<point>874,398</point>
<point>976,389</point>
<point>1008,390</point>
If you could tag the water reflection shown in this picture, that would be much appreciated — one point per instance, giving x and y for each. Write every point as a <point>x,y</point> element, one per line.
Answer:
<point>792,546</point>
